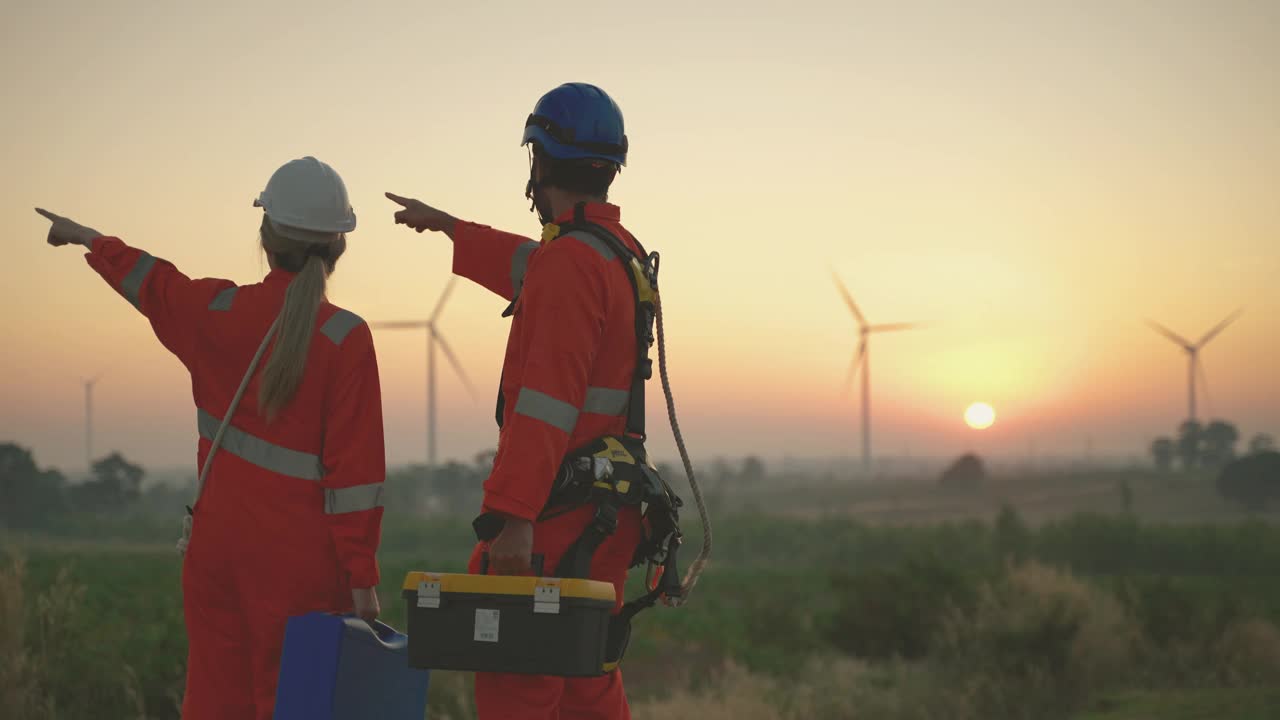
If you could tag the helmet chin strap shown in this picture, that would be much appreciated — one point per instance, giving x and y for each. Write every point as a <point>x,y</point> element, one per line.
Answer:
<point>537,204</point>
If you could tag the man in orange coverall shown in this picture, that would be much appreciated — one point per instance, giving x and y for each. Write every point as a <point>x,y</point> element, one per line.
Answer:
<point>570,361</point>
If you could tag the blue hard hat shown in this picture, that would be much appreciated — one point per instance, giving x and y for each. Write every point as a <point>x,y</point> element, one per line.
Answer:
<point>577,121</point>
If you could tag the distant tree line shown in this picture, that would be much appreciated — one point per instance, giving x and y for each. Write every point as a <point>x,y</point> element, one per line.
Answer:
<point>1252,481</point>
<point>33,497</point>
<point>1204,446</point>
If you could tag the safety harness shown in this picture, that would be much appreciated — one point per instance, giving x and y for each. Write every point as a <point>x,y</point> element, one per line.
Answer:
<point>614,471</point>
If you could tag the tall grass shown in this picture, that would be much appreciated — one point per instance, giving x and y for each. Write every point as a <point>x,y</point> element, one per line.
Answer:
<point>825,619</point>
<point>1037,644</point>
<point>48,665</point>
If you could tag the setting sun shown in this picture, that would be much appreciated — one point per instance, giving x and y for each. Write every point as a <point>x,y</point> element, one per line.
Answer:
<point>980,416</point>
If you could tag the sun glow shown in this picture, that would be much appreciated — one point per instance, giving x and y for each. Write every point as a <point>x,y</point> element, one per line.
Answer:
<point>980,416</point>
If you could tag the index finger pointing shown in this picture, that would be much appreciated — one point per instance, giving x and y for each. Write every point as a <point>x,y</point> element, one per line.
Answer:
<point>401,200</point>
<point>48,215</point>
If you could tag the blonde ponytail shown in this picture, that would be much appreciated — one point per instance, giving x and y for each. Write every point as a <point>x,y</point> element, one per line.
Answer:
<point>313,261</point>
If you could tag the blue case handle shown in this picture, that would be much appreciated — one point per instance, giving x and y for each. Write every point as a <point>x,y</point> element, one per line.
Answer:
<point>390,638</point>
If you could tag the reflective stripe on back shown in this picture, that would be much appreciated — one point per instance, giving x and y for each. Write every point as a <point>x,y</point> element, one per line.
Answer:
<point>520,263</point>
<point>352,499</point>
<point>222,301</point>
<point>606,401</point>
<point>541,406</point>
<point>131,286</point>
<point>337,327</point>
<point>592,242</point>
<point>257,451</point>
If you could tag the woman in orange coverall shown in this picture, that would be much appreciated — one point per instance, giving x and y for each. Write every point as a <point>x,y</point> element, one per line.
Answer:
<point>289,518</point>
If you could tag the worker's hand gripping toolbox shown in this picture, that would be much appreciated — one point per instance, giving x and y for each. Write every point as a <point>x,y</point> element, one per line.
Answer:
<point>337,667</point>
<point>510,624</point>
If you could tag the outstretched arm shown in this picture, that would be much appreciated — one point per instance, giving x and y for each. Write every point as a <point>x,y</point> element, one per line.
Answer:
<point>169,299</point>
<point>492,258</point>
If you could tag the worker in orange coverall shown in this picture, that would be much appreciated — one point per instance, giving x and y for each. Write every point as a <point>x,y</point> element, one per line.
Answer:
<point>289,519</point>
<point>570,360</point>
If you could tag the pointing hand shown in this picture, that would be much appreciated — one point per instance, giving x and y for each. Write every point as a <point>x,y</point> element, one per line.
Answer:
<point>65,231</point>
<point>421,216</point>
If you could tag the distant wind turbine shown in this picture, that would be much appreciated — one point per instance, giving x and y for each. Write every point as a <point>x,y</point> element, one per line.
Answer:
<point>88,419</point>
<point>433,338</point>
<point>861,359</point>
<point>1194,364</point>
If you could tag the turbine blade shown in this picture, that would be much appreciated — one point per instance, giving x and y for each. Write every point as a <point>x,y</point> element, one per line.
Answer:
<point>853,306</point>
<point>444,297</point>
<point>400,325</point>
<point>894,327</point>
<point>858,359</point>
<point>457,366</point>
<point>1219,327</point>
<point>1170,334</point>
<point>851,374</point>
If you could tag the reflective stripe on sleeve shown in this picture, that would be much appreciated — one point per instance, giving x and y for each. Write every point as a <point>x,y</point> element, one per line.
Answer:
<point>131,286</point>
<point>541,406</point>
<point>520,263</point>
<point>222,301</point>
<point>352,499</point>
<point>257,451</point>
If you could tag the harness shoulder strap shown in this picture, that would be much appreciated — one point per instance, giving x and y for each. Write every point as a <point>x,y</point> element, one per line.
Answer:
<point>636,274</point>
<point>637,271</point>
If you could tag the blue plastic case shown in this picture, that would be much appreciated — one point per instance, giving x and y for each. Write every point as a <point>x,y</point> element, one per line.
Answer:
<point>337,667</point>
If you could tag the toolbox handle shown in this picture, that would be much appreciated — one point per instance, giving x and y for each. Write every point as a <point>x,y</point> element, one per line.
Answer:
<point>390,638</point>
<point>538,560</point>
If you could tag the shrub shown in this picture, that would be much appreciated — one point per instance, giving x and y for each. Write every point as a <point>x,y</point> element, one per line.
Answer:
<point>1037,644</point>
<point>896,611</point>
<point>966,473</point>
<point>1253,481</point>
<point>1248,653</point>
<point>1012,536</point>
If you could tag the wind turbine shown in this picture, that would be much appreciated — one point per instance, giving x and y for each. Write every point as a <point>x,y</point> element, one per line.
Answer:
<point>434,338</point>
<point>1193,355</point>
<point>862,359</point>
<point>88,419</point>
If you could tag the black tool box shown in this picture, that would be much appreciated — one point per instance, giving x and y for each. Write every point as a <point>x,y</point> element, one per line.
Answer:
<point>499,623</point>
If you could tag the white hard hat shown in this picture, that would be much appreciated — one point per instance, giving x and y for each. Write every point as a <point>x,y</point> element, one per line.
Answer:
<point>307,195</point>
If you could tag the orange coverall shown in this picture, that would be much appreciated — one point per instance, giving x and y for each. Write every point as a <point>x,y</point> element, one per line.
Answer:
<point>566,381</point>
<point>291,514</point>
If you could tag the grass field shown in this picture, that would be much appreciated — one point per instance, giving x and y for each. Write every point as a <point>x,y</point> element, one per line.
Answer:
<point>1235,704</point>
<point>894,602</point>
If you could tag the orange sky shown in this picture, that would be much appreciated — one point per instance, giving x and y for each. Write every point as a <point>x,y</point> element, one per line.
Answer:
<point>1032,182</point>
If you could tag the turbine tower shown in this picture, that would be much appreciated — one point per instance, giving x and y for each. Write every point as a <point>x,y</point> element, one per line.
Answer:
<point>88,419</point>
<point>434,338</point>
<point>1194,365</point>
<point>861,359</point>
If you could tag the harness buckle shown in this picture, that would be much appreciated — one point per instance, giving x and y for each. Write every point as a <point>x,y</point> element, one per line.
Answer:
<point>605,520</point>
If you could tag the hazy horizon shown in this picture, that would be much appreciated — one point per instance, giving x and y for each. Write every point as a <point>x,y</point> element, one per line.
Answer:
<point>1032,182</point>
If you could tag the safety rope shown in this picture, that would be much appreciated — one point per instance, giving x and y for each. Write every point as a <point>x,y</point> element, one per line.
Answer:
<point>187,520</point>
<point>704,555</point>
